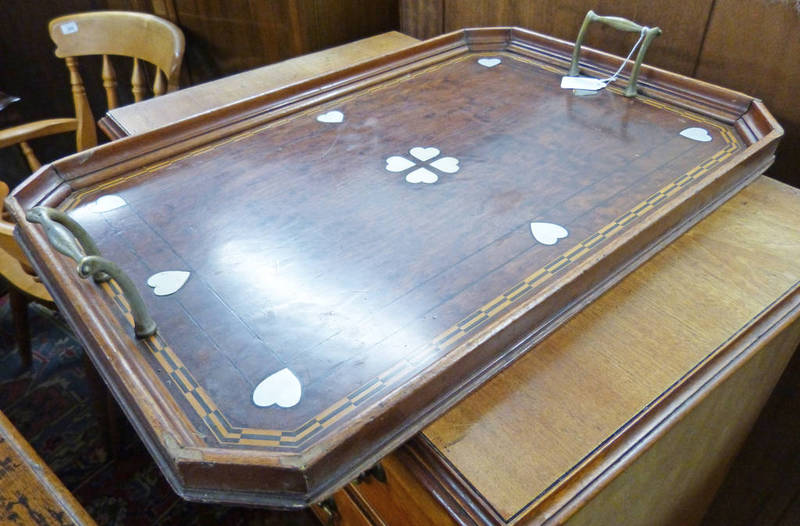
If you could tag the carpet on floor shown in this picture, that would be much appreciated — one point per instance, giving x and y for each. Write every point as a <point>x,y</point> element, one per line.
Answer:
<point>50,404</point>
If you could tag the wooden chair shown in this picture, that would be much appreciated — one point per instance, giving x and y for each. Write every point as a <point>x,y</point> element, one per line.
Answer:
<point>140,36</point>
<point>20,135</point>
<point>24,287</point>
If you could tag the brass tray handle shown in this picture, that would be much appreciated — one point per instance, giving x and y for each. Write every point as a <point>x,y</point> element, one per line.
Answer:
<point>69,238</point>
<point>623,24</point>
<point>143,324</point>
<point>63,232</point>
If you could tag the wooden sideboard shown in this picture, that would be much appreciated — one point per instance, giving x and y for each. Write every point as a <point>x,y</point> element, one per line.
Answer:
<point>632,411</point>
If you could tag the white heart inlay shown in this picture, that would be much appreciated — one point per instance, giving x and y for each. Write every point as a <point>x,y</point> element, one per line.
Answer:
<point>489,62</point>
<point>422,175</point>
<point>423,154</point>
<point>395,163</point>
<point>332,117</point>
<point>697,134</point>
<point>106,203</point>
<point>548,233</point>
<point>282,388</point>
<point>446,164</point>
<point>168,282</point>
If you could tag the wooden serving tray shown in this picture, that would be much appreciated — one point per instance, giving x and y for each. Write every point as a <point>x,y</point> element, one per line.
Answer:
<point>368,247</point>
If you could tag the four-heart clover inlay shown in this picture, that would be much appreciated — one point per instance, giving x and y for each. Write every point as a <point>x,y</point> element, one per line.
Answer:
<point>426,163</point>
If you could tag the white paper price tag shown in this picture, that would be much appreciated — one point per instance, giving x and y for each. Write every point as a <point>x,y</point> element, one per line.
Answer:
<point>584,83</point>
<point>67,28</point>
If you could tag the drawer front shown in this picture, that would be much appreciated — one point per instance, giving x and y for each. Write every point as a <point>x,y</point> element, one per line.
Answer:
<point>400,499</point>
<point>340,510</point>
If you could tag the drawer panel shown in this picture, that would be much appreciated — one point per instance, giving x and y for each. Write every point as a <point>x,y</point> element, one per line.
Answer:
<point>340,510</point>
<point>400,500</point>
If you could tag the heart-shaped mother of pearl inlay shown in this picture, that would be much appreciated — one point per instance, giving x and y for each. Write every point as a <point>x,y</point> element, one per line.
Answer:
<point>422,175</point>
<point>448,165</point>
<point>489,62</point>
<point>396,163</point>
<point>423,154</point>
<point>331,117</point>
<point>168,282</point>
<point>548,233</point>
<point>281,388</point>
<point>697,134</point>
<point>106,204</point>
<point>428,156</point>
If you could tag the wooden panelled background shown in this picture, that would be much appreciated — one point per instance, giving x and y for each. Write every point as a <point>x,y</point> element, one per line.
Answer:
<point>749,45</point>
<point>222,37</point>
<point>225,37</point>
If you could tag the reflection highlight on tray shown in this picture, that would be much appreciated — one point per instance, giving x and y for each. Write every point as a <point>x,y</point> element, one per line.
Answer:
<point>295,307</point>
<point>93,210</point>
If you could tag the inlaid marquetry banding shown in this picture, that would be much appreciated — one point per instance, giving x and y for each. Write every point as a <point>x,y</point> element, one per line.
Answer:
<point>227,433</point>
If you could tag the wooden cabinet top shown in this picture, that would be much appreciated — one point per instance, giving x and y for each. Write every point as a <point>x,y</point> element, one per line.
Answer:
<point>333,265</point>
<point>161,111</point>
<point>565,422</point>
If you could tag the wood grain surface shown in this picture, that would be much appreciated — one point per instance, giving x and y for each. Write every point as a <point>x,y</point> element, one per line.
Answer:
<point>400,499</point>
<point>675,50</point>
<point>341,509</point>
<point>30,493</point>
<point>148,115</point>
<point>760,488</point>
<point>490,249</point>
<point>705,441</point>
<point>532,433</point>
<point>723,42</point>
<point>738,53</point>
<point>310,255</point>
<point>422,20</point>
<point>237,35</point>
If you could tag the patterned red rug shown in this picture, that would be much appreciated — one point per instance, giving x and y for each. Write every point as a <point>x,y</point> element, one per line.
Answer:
<point>50,405</point>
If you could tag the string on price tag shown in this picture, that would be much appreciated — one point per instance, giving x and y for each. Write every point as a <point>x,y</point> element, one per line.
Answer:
<point>592,84</point>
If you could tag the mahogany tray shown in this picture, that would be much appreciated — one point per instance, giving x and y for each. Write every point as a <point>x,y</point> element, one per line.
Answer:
<point>367,247</point>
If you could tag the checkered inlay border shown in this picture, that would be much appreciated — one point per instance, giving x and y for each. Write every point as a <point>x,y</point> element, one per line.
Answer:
<point>229,434</point>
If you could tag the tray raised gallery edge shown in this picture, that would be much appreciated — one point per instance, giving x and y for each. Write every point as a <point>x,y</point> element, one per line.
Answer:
<point>365,248</point>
